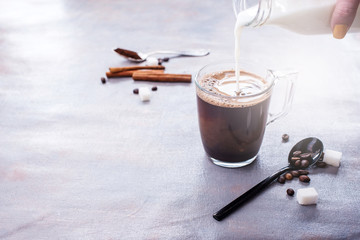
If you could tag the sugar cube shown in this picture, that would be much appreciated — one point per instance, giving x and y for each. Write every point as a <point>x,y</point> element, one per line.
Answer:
<point>332,157</point>
<point>307,196</point>
<point>151,61</point>
<point>144,93</point>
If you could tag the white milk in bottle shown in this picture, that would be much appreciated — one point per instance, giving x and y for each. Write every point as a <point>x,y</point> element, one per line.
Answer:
<point>302,16</point>
<point>307,17</point>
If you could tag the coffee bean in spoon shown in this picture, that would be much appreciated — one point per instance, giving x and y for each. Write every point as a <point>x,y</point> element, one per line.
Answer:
<point>304,163</point>
<point>296,153</point>
<point>294,159</point>
<point>305,155</point>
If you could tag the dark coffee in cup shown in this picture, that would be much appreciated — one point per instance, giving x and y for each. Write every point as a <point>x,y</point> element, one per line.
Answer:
<point>232,121</point>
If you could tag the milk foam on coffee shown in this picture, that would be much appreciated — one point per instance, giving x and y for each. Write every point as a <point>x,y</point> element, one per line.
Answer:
<point>222,86</point>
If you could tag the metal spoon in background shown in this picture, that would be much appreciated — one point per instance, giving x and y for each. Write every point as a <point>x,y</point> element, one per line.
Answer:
<point>308,145</point>
<point>141,57</point>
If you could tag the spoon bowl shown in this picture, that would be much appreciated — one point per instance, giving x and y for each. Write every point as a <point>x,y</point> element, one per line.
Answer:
<point>141,57</point>
<point>310,145</point>
<point>313,149</point>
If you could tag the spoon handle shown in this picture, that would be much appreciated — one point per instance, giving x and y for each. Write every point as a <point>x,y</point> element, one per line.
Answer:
<point>235,204</point>
<point>188,53</point>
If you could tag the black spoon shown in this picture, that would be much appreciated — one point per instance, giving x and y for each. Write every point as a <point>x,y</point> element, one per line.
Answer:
<point>308,145</point>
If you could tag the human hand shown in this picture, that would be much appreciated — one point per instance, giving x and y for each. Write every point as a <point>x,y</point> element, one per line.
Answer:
<point>343,16</point>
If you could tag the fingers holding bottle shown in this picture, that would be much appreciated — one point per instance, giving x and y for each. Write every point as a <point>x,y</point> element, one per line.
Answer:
<point>343,16</point>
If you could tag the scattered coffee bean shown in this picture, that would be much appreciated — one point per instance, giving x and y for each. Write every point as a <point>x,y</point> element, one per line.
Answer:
<point>103,80</point>
<point>321,164</point>
<point>295,173</point>
<point>154,88</point>
<point>281,179</point>
<point>285,137</point>
<point>303,172</point>
<point>136,91</point>
<point>304,178</point>
<point>297,163</point>
<point>166,59</point>
<point>304,163</point>
<point>296,153</point>
<point>288,176</point>
<point>290,192</point>
<point>160,61</point>
<point>305,155</point>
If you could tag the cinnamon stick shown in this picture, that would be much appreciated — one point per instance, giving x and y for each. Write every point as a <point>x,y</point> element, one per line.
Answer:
<point>160,77</point>
<point>130,73</point>
<point>124,69</point>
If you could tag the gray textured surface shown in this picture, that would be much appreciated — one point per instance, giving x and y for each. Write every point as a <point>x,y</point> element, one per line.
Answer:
<point>82,160</point>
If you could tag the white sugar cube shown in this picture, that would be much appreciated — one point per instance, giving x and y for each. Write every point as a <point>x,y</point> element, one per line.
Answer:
<point>332,157</point>
<point>144,93</point>
<point>307,196</point>
<point>151,61</point>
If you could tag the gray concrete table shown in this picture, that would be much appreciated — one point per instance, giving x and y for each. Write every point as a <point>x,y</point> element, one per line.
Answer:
<point>82,160</point>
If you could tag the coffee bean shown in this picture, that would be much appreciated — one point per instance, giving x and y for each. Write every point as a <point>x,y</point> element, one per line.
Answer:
<point>103,80</point>
<point>321,164</point>
<point>304,178</point>
<point>154,88</point>
<point>288,176</point>
<point>303,172</point>
<point>166,59</point>
<point>285,137</point>
<point>160,61</point>
<point>136,91</point>
<point>290,192</point>
<point>281,179</point>
<point>305,155</point>
<point>296,153</point>
<point>294,159</point>
<point>295,173</point>
<point>304,163</point>
<point>297,163</point>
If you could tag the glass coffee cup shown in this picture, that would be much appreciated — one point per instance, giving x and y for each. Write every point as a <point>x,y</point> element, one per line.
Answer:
<point>232,120</point>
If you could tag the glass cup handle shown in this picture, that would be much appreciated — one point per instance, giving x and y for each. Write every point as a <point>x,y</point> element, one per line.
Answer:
<point>290,78</point>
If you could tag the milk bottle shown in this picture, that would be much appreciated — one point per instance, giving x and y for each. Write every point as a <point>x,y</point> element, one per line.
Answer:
<point>302,16</point>
<point>308,17</point>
